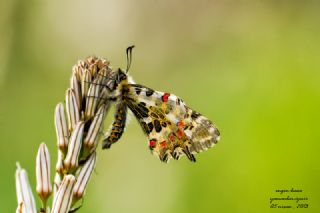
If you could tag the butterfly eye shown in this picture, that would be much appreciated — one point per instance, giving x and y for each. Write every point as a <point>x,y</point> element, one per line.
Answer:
<point>120,76</point>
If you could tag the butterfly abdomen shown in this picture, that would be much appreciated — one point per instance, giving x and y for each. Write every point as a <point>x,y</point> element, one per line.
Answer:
<point>118,126</point>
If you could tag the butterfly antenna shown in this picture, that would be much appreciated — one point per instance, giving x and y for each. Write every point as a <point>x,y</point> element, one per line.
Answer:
<point>129,57</point>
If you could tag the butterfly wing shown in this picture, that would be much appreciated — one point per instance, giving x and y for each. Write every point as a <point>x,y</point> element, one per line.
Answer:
<point>173,128</point>
<point>202,132</point>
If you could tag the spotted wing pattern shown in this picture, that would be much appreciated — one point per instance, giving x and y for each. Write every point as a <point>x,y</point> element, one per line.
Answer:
<point>173,128</point>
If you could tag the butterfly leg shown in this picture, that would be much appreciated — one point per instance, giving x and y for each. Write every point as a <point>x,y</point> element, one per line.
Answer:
<point>117,127</point>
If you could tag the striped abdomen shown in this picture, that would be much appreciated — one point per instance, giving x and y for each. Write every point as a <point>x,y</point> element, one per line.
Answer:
<point>117,126</point>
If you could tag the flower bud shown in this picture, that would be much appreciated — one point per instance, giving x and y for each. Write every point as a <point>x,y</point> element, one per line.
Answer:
<point>61,127</point>
<point>25,197</point>
<point>92,100</point>
<point>83,176</point>
<point>56,184</point>
<point>59,164</point>
<point>72,109</point>
<point>105,93</point>
<point>74,85</point>
<point>71,160</point>
<point>91,139</point>
<point>44,187</point>
<point>85,83</point>
<point>102,76</point>
<point>63,198</point>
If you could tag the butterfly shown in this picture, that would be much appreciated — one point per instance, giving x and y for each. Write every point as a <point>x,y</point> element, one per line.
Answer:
<point>173,129</point>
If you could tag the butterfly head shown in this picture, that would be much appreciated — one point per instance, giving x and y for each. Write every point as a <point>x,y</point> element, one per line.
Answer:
<point>120,76</point>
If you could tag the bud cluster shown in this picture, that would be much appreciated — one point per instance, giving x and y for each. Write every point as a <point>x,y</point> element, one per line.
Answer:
<point>78,126</point>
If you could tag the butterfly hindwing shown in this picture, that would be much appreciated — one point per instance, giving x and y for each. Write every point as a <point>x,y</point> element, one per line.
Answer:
<point>173,128</point>
<point>202,132</point>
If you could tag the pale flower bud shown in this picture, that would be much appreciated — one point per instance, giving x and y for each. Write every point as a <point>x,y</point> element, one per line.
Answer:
<point>91,139</point>
<point>71,160</point>
<point>44,187</point>
<point>74,85</point>
<point>92,100</point>
<point>85,83</point>
<point>72,109</point>
<point>59,164</point>
<point>61,127</point>
<point>25,197</point>
<point>83,176</point>
<point>105,93</point>
<point>63,198</point>
<point>57,183</point>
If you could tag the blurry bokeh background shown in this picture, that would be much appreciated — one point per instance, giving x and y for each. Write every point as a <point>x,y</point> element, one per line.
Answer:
<point>253,67</point>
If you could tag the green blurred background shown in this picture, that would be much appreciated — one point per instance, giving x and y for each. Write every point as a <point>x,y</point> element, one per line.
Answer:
<point>250,66</point>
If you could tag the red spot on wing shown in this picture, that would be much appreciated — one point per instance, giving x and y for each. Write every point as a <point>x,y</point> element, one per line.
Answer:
<point>152,143</point>
<point>172,137</point>
<point>163,144</point>
<point>180,124</point>
<point>180,133</point>
<point>165,97</point>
